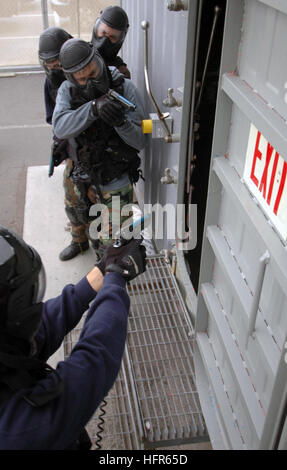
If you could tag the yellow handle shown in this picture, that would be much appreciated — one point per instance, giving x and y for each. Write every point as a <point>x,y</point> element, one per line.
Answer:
<point>147,126</point>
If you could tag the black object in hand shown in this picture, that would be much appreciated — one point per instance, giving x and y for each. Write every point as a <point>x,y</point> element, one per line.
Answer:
<point>60,150</point>
<point>129,260</point>
<point>109,111</point>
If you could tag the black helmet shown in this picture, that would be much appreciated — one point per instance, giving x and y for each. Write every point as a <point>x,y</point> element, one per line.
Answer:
<point>75,55</point>
<point>50,43</point>
<point>114,17</point>
<point>22,286</point>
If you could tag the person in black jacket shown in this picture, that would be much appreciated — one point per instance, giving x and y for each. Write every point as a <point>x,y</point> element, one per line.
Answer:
<point>42,408</point>
<point>50,43</point>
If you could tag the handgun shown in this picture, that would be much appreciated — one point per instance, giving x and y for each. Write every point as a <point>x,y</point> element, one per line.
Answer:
<point>121,238</point>
<point>122,100</point>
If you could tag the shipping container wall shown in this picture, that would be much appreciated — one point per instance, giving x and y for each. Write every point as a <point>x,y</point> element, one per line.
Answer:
<point>167,51</point>
<point>242,308</point>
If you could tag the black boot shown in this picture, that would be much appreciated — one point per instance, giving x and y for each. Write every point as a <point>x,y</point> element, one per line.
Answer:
<point>73,250</point>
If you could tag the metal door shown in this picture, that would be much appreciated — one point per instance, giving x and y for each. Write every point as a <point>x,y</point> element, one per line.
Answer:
<point>241,318</point>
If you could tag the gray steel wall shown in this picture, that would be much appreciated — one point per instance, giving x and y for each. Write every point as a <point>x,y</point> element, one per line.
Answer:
<point>167,51</point>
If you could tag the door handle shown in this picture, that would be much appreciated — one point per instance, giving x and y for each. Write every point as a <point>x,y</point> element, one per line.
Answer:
<point>263,261</point>
<point>145,26</point>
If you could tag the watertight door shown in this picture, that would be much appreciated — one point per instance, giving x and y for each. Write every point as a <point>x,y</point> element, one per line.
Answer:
<point>241,326</point>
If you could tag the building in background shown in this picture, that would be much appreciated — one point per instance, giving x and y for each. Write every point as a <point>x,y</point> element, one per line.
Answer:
<point>22,21</point>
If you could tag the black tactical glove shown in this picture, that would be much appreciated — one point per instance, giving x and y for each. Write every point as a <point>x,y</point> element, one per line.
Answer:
<point>77,100</point>
<point>128,260</point>
<point>109,111</point>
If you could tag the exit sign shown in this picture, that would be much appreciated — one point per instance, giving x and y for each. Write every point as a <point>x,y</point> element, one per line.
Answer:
<point>265,174</point>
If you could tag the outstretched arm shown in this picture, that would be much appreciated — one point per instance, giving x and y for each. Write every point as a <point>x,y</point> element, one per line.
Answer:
<point>62,314</point>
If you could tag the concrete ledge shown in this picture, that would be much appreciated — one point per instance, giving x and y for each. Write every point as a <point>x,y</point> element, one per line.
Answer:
<point>44,228</point>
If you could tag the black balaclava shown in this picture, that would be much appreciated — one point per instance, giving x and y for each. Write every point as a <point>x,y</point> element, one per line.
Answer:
<point>114,17</point>
<point>50,43</point>
<point>75,55</point>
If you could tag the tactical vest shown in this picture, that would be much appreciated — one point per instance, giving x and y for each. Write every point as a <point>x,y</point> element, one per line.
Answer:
<point>104,153</point>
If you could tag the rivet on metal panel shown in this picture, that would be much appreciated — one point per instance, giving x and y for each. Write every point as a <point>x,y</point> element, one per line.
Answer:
<point>177,5</point>
<point>169,254</point>
<point>168,178</point>
<point>170,101</point>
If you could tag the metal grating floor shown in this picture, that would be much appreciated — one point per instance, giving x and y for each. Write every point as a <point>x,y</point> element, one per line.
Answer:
<point>154,401</point>
<point>160,346</point>
<point>119,427</point>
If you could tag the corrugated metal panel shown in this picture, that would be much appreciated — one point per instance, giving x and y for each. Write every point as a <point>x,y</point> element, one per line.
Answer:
<point>242,305</point>
<point>265,71</point>
<point>167,52</point>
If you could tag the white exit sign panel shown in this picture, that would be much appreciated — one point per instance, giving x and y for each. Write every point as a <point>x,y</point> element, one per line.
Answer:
<point>265,174</point>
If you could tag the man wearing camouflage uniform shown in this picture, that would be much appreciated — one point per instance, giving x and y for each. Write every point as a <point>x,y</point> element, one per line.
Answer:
<point>109,33</point>
<point>104,139</point>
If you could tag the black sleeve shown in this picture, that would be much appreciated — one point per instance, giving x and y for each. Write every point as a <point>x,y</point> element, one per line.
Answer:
<point>50,101</point>
<point>117,62</point>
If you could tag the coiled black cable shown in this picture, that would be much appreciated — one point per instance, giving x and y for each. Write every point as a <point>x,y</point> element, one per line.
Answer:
<point>101,424</point>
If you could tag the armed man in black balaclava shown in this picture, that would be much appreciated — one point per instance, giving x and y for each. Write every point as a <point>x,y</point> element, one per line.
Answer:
<point>104,136</point>
<point>37,402</point>
<point>110,29</point>
<point>109,33</point>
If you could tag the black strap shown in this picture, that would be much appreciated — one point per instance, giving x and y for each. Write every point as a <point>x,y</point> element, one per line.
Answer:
<point>19,372</point>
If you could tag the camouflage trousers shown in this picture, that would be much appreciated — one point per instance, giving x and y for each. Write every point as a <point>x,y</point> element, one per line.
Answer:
<point>124,197</point>
<point>73,202</point>
<point>79,202</point>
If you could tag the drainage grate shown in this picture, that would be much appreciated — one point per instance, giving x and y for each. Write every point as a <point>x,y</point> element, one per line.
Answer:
<point>154,401</point>
<point>160,348</point>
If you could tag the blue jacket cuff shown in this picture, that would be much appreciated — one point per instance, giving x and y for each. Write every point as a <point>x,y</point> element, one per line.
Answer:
<point>114,278</point>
